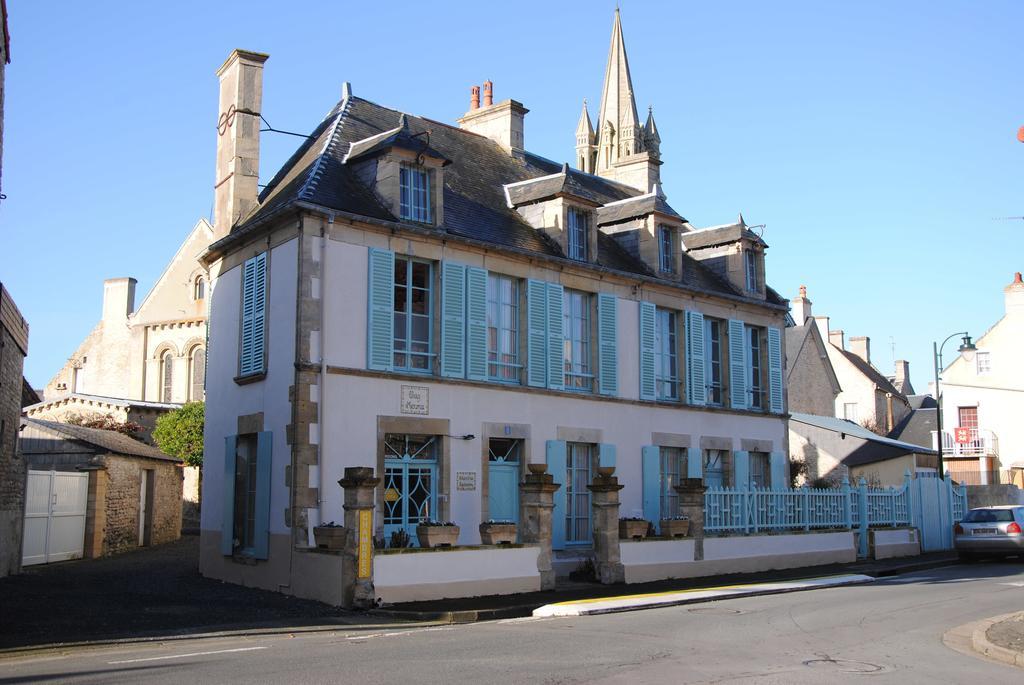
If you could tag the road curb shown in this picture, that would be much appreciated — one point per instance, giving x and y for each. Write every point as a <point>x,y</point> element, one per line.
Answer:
<point>982,645</point>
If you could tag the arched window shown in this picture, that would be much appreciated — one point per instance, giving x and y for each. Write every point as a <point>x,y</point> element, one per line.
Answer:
<point>167,376</point>
<point>199,288</point>
<point>198,374</point>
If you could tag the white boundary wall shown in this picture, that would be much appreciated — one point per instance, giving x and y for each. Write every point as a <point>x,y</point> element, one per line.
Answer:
<point>651,560</point>
<point>454,573</point>
<point>898,542</point>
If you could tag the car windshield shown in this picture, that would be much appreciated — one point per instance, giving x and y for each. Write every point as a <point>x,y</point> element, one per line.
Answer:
<point>988,515</point>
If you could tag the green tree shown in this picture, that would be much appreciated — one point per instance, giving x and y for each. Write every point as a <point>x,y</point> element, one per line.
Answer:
<point>180,433</point>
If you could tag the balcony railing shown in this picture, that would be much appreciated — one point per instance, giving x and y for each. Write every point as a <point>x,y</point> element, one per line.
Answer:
<point>982,443</point>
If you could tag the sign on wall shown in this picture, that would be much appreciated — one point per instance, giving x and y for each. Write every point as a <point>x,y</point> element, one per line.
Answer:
<point>465,480</point>
<point>962,435</point>
<point>415,399</point>
<point>365,543</point>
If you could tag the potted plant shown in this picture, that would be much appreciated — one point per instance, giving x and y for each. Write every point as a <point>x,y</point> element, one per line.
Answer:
<point>633,528</point>
<point>497,532</point>
<point>675,527</point>
<point>437,534</point>
<point>330,536</point>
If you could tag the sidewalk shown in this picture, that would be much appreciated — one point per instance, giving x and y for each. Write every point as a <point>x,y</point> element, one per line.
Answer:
<point>515,606</point>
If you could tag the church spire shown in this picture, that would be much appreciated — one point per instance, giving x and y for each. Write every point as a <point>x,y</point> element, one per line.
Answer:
<point>617,121</point>
<point>586,149</point>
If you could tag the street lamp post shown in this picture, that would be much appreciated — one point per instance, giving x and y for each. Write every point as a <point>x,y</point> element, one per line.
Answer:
<point>965,346</point>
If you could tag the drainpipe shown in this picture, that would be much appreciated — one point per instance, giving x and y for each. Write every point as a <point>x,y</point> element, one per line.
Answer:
<point>322,385</point>
<point>889,418</point>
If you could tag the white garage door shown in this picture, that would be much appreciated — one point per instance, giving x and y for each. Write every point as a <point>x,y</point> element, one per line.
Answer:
<point>55,504</point>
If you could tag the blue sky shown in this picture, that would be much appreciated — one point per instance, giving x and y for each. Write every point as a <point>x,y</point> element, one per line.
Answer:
<point>876,140</point>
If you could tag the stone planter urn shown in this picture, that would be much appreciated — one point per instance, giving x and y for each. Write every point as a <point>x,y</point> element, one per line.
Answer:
<point>436,535</point>
<point>497,533</point>
<point>675,528</point>
<point>330,537</point>
<point>632,529</point>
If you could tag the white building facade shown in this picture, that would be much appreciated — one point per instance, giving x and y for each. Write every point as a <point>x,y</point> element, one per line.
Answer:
<point>444,307</point>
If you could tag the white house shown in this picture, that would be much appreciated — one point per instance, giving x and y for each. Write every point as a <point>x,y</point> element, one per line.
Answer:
<point>441,305</point>
<point>983,400</point>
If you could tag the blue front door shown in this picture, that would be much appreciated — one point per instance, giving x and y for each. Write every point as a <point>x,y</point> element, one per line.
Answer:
<point>503,479</point>
<point>410,483</point>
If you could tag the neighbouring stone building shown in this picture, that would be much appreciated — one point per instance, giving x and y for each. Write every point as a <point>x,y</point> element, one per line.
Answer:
<point>69,407</point>
<point>463,330</point>
<point>134,490</point>
<point>13,349</point>
<point>810,378</point>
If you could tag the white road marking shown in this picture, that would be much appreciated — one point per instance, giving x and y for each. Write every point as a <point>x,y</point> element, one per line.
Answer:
<point>395,633</point>
<point>184,656</point>
<point>1013,584</point>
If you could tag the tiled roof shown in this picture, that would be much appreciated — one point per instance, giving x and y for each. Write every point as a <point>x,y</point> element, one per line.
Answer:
<point>108,440</point>
<point>873,374</point>
<point>475,203</point>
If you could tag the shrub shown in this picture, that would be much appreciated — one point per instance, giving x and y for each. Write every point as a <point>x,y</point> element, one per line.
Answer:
<point>179,433</point>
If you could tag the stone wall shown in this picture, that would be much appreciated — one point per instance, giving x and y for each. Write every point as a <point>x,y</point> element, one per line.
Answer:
<point>12,467</point>
<point>993,495</point>
<point>124,480</point>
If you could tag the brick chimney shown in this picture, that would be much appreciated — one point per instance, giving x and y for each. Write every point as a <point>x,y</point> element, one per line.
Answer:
<point>1014,296</point>
<point>474,98</point>
<point>238,139</point>
<point>861,346</point>
<point>118,299</point>
<point>502,123</point>
<point>836,338</point>
<point>801,307</point>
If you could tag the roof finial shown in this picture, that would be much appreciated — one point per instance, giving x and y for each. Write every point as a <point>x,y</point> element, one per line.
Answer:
<point>803,291</point>
<point>740,220</point>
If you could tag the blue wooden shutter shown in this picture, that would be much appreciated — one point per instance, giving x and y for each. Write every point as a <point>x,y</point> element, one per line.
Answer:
<point>259,314</point>
<point>696,390</point>
<point>737,365</point>
<point>775,371</point>
<point>741,469</point>
<point>557,457</point>
<point>245,359</point>
<point>556,341</point>
<point>380,327</point>
<point>606,455</point>
<point>453,320</point>
<point>227,529</point>
<point>264,459</point>
<point>778,471</point>
<point>648,341</point>
<point>694,463</point>
<point>607,336</point>
<point>650,460</point>
<point>476,323</point>
<point>536,334</point>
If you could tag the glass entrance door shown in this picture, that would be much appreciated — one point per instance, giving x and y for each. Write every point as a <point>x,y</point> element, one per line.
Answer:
<point>503,459</point>
<point>410,483</point>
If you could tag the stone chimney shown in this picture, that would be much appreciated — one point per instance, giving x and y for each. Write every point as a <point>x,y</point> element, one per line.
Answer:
<point>801,307</point>
<point>118,299</point>
<point>837,339</point>
<point>1014,296</point>
<point>238,139</point>
<point>901,377</point>
<point>502,123</point>
<point>861,346</point>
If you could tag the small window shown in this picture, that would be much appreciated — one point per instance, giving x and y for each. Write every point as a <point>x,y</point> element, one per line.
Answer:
<point>197,374</point>
<point>751,271</point>
<point>415,194</point>
<point>166,376</point>
<point>245,493</point>
<point>755,367</point>
<point>503,328</point>
<point>850,411</point>
<point>579,233</point>
<point>576,331</point>
<point>713,361</point>
<point>666,251</point>
<point>984,360</point>
<point>412,315</point>
<point>666,364</point>
<point>199,288</point>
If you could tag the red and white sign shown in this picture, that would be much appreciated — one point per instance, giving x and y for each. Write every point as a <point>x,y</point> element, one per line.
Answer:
<point>962,435</point>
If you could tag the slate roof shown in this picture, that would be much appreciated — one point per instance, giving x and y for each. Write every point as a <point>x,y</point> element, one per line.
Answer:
<point>641,205</point>
<point>719,235</point>
<point>878,448</point>
<point>916,427</point>
<point>107,440</point>
<point>922,402</point>
<point>873,374</point>
<point>475,204</point>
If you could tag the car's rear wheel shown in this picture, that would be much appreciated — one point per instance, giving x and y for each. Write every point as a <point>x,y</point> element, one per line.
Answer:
<point>967,557</point>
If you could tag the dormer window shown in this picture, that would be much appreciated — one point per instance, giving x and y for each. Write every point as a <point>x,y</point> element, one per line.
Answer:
<point>414,185</point>
<point>666,253</point>
<point>751,270</point>
<point>578,224</point>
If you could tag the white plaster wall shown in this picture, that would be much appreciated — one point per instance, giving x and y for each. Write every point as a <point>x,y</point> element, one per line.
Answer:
<point>455,573</point>
<point>226,400</point>
<point>656,551</point>
<point>999,410</point>
<point>901,542</point>
<point>768,545</point>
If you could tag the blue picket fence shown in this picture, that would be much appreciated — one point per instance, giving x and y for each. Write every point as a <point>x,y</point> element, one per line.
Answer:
<point>742,510</point>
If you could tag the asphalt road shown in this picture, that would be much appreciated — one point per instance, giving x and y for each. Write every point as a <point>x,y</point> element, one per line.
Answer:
<point>890,630</point>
